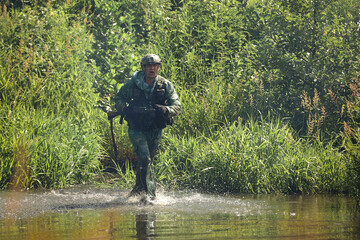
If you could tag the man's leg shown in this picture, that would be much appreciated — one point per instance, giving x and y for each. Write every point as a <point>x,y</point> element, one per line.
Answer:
<point>145,145</point>
<point>139,142</point>
<point>153,139</point>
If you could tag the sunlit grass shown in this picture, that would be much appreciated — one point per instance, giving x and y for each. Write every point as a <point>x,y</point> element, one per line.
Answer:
<point>252,157</point>
<point>49,127</point>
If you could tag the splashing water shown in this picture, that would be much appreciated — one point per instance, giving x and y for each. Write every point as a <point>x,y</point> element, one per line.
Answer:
<point>96,213</point>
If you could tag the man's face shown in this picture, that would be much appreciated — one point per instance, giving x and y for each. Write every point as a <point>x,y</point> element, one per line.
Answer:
<point>151,70</point>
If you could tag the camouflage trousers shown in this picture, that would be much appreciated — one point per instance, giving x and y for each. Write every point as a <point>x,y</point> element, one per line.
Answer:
<point>145,145</point>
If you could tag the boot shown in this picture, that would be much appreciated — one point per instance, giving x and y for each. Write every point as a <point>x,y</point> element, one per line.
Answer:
<point>139,184</point>
<point>150,183</point>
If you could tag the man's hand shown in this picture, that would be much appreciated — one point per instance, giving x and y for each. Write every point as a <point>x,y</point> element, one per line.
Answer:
<point>161,109</point>
<point>112,114</point>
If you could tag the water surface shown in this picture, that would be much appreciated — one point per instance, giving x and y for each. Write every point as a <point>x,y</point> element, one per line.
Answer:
<point>95,213</point>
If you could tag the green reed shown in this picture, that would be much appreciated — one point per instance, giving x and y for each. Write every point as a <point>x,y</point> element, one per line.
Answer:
<point>252,157</point>
<point>49,127</point>
<point>51,152</point>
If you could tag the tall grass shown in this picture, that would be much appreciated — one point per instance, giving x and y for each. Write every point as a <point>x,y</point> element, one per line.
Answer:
<point>351,138</point>
<point>207,107</point>
<point>48,124</point>
<point>49,152</point>
<point>252,157</point>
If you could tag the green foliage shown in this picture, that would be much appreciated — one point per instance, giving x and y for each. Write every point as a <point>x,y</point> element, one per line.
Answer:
<point>351,137</point>
<point>50,152</point>
<point>43,61</point>
<point>300,47</point>
<point>207,107</point>
<point>200,36</point>
<point>126,175</point>
<point>46,97</point>
<point>351,144</point>
<point>119,31</point>
<point>255,157</point>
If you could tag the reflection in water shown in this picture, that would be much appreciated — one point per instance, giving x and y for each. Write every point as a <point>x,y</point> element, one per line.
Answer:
<point>145,225</point>
<point>108,214</point>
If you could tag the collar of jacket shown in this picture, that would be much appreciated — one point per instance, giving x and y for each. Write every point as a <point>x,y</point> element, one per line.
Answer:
<point>139,79</point>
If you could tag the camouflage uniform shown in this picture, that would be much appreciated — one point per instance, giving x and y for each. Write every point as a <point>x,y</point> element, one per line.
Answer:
<point>145,128</point>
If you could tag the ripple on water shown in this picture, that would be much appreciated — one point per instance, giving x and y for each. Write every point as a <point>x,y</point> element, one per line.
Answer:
<point>98,213</point>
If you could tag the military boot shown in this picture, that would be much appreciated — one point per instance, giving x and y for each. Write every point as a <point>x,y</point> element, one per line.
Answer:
<point>150,183</point>
<point>140,184</point>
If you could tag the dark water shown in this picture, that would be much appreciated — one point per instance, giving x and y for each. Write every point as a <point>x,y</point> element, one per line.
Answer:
<point>94,213</point>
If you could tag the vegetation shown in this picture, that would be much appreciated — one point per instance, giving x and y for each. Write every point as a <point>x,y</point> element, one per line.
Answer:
<point>269,88</point>
<point>261,157</point>
<point>48,124</point>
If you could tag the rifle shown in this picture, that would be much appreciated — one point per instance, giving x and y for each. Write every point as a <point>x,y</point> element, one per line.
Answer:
<point>111,115</point>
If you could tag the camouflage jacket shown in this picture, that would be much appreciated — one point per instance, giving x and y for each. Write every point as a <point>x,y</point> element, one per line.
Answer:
<point>161,92</point>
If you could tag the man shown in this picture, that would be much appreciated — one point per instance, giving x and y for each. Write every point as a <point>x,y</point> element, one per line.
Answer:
<point>148,102</point>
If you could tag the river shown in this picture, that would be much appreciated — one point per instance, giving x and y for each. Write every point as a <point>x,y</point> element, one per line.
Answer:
<point>108,213</point>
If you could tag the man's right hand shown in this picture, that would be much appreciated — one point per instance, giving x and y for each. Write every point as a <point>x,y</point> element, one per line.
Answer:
<point>112,114</point>
<point>161,109</point>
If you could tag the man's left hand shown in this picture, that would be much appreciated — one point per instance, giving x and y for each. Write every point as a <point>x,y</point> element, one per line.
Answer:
<point>161,109</point>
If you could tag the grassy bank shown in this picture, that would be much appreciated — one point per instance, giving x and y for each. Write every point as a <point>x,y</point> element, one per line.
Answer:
<point>252,157</point>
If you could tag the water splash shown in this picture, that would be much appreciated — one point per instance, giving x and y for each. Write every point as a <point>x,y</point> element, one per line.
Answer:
<point>100,213</point>
<point>25,204</point>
